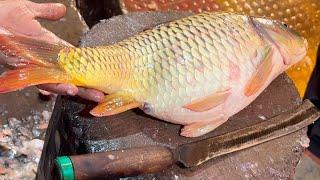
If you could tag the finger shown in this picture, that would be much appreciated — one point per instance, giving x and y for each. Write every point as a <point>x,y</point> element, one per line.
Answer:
<point>51,37</point>
<point>51,11</point>
<point>4,31</point>
<point>3,58</point>
<point>91,94</point>
<point>34,29</point>
<point>7,60</point>
<point>43,92</point>
<point>63,89</point>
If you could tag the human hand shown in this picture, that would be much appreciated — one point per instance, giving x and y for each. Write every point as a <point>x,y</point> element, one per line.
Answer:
<point>17,17</point>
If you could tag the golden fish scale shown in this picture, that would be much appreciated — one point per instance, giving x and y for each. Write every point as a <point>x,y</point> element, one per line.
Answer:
<point>187,58</point>
<point>93,67</point>
<point>301,15</point>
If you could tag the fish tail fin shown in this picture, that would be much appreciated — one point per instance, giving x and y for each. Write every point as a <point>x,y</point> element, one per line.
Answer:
<point>37,63</point>
<point>13,80</point>
<point>29,51</point>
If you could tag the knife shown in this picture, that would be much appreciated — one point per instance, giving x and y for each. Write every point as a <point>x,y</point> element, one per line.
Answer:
<point>151,159</point>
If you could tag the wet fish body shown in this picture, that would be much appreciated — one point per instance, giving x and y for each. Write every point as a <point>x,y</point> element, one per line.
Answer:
<point>301,15</point>
<point>197,71</point>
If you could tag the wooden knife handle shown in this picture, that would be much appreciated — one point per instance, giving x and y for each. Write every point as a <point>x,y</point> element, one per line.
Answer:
<point>122,163</point>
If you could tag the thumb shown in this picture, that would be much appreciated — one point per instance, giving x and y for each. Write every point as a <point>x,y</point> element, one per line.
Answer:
<point>51,11</point>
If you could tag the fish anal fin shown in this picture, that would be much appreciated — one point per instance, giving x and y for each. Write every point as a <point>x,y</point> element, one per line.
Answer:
<point>208,102</point>
<point>261,75</point>
<point>114,104</point>
<point>29,50</point>
<point>200,128</point>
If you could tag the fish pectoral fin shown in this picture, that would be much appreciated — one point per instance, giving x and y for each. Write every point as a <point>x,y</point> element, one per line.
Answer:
<point>208,102</point>
<point>114,104</point>
<point>200,128</point>
<point>262,74</point>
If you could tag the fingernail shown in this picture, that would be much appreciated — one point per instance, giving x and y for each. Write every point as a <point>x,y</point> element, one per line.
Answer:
<point>97,98</point>
<point>70,92</point>
<point>60,5</point>
<point>43,92</point>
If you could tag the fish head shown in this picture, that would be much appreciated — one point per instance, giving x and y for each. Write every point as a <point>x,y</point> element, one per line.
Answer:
<point>291,45</point>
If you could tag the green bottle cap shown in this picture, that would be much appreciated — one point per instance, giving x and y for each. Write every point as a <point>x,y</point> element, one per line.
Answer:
<point>65,167</point>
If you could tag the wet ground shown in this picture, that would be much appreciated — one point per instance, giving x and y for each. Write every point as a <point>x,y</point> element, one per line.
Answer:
<point>22,134</point>
<point>24,116</point>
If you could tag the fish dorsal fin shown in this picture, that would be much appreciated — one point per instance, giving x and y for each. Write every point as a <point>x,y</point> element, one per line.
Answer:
<point>261,76</point>
<point>115,104</point>
<point>208,102</point>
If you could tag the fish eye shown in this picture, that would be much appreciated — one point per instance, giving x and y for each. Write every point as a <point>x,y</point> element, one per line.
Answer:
<point>285,25</point>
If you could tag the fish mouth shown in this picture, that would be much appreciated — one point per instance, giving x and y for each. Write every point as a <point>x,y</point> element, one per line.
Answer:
<point>265,35</point>
<point>297,56</point>
<point>301,54</point>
